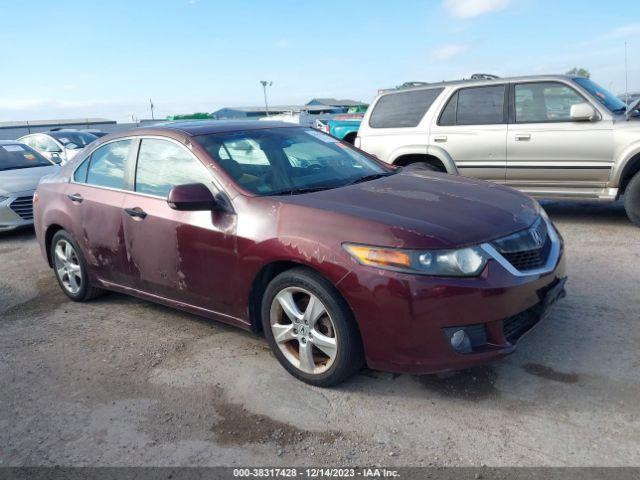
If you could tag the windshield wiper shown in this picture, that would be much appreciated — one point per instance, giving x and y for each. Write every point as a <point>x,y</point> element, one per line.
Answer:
<point>373,176</point>
<point>296,191</point>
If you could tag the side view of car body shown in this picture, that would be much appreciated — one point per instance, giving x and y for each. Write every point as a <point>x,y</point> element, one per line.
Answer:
<point>549,136</point>
<point>21,169</point>
<point>336,257</point>
<point>59,146</point>
<point>342,127</point>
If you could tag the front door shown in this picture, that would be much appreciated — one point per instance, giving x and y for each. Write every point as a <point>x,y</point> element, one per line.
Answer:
<point>188,257</point>
<point>97,192</point>
<point>547,152</point>
<point>472,129</point>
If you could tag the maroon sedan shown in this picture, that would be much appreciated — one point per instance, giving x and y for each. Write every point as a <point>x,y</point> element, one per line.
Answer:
<point>338,259</point>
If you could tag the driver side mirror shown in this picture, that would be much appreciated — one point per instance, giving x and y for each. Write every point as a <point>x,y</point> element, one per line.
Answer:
<point>581,112</point>
<point>192,197</point>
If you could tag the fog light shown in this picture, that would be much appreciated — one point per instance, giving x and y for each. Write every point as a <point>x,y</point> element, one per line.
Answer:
<point>460,341</point>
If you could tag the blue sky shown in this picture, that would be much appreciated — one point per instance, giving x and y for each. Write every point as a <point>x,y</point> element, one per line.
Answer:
<point>73,58</point>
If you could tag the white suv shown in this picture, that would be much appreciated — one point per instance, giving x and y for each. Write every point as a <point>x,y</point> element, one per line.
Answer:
<point>549,136</point>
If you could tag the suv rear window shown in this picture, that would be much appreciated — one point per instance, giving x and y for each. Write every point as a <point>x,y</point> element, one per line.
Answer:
<point>475,106</point>
<point>403,109</point>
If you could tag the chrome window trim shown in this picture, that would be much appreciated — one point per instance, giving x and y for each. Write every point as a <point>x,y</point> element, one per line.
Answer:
<point>552,260</point>
<point>133,192</point>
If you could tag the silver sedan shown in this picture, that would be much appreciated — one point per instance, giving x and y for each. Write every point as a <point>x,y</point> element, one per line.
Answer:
<point>21,169</point>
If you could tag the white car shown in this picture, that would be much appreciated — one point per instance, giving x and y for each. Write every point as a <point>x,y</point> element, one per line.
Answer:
<point>59,146</point>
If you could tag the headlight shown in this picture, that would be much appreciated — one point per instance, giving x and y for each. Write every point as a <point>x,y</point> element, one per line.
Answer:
<point>2,199</point>
<point>465,262</point>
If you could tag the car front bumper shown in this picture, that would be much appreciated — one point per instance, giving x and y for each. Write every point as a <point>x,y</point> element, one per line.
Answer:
<point>16,211</point>
<point>406,321</point>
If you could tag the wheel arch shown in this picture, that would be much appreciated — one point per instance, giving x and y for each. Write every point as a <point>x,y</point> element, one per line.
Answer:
<point>631,168</point>
<point>438,159</point>
<point>350,137</point>
<point>267,273</point>
<point>48,237</point>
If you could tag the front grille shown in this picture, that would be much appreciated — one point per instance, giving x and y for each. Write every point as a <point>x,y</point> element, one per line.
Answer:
<point>23,206</point>
<point>528,249</point>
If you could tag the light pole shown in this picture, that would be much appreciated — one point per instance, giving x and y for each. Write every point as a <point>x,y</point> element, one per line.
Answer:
<point>266,84</point>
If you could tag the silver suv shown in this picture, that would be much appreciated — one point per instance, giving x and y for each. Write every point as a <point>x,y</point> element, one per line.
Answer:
<point>550,136</point>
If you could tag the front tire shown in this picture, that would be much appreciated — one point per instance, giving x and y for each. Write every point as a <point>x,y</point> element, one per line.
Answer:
<point>70,268</point>
<point>632,199</point>
<point>310,328</point>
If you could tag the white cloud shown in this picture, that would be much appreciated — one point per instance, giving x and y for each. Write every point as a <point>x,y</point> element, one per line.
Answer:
<point>626,31</point>
<point>473,8</point>
<point>445,52</point>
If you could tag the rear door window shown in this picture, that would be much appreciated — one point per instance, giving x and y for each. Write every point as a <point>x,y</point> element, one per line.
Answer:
<point>107,165</point>
<point>403,109</point>
<point>480,105</point>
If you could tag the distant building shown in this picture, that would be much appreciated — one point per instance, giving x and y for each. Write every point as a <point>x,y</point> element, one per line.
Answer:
<point>253,112</point>
<point>13,130</point>
<point>333,102</point>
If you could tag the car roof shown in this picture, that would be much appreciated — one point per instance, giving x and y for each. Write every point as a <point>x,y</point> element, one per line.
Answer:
<point>474,82</point>
<point>205,127</point>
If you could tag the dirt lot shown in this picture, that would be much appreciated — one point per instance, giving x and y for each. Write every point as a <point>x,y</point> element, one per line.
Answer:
<point>120,381</point>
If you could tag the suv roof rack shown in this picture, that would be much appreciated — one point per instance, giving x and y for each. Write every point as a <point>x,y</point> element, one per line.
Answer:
<point>413,84</point>
<point>484,76</point>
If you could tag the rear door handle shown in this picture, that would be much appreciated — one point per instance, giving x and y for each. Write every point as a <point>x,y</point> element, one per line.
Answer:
<point>136,212</point>
<point>76,198</point>
<point>520,137</point>
<point>440,138</point>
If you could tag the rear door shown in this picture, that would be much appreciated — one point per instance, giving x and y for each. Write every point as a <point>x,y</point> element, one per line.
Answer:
<point>183,256</point>
<point>96,194</point>
<point>472,129</point>
<point>547,152</point>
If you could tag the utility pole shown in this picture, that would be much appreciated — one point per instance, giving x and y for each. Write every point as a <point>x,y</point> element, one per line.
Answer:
<point>626,76</point>
<point>266,84</point>
<point>151,104</point>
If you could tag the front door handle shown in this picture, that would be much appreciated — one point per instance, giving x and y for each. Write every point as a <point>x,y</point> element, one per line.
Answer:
<point>76,198</point>
<point>522,137</point>
<point>440,138</point>
<point>136,212</point>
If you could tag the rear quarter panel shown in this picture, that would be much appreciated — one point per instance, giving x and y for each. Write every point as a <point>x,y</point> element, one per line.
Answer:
<point>388,144</point>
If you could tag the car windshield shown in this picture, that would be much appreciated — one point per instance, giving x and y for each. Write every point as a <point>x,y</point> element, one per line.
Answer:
<point>81,139</point>
<point>15,155</point>
<point>278,161</point>
<point>605,97</point>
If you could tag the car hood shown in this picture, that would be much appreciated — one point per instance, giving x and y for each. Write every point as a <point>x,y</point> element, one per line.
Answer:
<point>419,210</point>
<point>23,179</point>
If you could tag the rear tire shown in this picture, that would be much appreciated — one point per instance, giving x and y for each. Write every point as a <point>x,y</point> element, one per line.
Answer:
<point>420,167</point>
<point>318,343</point>
<point>70,268</point>
<point>632,199</point>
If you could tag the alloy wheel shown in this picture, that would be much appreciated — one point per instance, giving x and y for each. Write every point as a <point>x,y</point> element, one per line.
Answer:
<point>303,330</point>
<point>67,266</point>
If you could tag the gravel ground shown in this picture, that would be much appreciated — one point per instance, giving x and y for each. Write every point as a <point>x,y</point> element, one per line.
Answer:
<point>120,381</point>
